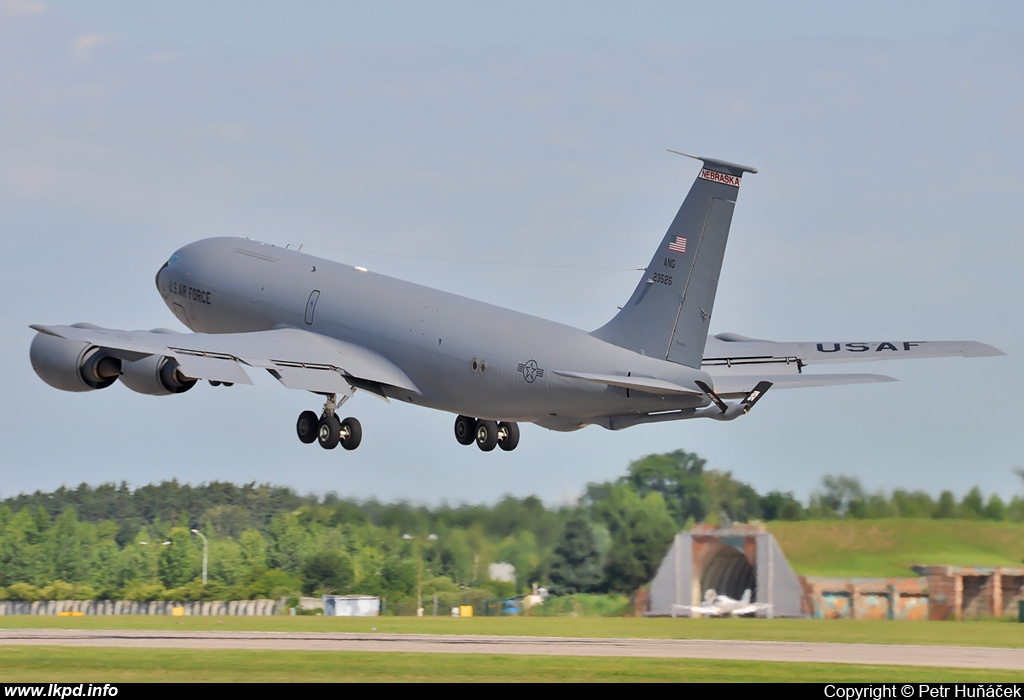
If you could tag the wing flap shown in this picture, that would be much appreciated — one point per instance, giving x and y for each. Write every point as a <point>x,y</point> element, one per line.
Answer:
<point>648,385</point>
<point>320,380</point>
<point>214,369</point>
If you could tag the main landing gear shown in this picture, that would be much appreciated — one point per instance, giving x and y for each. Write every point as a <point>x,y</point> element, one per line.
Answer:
<point>329,430</point>
<point>487,434</point>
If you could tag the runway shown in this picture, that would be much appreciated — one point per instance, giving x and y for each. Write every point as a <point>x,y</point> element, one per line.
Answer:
<point>881,654</point>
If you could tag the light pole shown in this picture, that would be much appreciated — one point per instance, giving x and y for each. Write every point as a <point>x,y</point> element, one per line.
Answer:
<point>419,570</point>
<point>205,552</point>
<point>146,544</point>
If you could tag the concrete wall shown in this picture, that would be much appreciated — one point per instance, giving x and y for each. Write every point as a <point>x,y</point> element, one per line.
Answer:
<point>866,598</point>
<point>958,592</point>
<point>130,607</point>
<point>940,593</point>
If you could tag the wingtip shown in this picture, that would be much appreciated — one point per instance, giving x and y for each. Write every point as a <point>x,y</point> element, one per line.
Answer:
<point>975,349</point>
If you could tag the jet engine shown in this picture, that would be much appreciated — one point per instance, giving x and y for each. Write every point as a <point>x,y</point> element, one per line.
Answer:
<point>71,365</point>
<point>155,375</point>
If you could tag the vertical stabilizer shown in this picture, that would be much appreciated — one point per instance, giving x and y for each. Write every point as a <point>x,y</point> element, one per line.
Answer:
<point>668,315</point>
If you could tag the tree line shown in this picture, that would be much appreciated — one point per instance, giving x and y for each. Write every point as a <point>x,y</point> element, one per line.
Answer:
<point>110,541</point>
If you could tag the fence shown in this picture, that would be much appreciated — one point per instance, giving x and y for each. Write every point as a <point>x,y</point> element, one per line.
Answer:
<point>131,607</point>
<point>440,604</point>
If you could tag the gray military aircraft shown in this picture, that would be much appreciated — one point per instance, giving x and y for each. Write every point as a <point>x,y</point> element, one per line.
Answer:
<point>333,329</point>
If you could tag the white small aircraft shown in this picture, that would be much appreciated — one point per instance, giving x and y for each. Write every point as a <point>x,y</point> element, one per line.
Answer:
<point>715,605</point>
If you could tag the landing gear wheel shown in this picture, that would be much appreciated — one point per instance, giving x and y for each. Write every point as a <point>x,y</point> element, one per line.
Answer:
<point>307,426</point>
<point>351,433</point>
<point>508,436</point>
<point>486,435</point>
<point>465,430</point>
<point>329,432</point>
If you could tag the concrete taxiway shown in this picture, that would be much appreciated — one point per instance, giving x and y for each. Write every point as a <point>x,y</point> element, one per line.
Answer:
<point>883,654</point>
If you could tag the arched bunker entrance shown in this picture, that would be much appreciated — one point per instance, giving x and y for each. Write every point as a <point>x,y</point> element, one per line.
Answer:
<point>729,560</point>
<point>726,570</point>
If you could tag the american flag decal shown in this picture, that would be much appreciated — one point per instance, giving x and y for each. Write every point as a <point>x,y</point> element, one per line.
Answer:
<point>679,245</point>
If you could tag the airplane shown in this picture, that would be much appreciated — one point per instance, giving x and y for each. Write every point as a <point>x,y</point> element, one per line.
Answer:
<point>333,329</point>
<point>720,605</point>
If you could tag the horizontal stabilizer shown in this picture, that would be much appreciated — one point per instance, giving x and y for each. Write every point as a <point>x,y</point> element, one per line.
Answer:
<point>731,349</point>
<point>648,385</point>
<point>738,386</point>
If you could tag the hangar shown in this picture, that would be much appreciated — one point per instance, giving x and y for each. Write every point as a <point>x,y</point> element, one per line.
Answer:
<point>729,560</point>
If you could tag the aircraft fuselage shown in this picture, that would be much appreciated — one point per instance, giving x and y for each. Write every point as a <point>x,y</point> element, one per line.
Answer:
<point>464,356</point>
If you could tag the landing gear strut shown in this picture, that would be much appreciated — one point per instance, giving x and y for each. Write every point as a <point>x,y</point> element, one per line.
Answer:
<point>329,430</point>
<point>487,434</point>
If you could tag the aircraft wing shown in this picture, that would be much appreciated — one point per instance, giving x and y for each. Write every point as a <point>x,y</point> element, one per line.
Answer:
<point>297,358</point>
<point>704,610</point>
<point>751,609</point>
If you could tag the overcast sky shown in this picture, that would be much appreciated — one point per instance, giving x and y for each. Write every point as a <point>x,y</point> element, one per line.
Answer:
<point>515,153</point>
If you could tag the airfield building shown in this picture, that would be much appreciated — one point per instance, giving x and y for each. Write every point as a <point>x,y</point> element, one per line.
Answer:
<point>738,558</point>
<point>729,560</point>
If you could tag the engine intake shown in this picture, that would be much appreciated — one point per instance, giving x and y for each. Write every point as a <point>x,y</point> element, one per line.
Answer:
<point>71,365</point>
<point>155,375</point>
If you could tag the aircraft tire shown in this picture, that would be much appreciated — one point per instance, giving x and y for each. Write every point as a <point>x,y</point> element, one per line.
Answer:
<point>509,436</point>
<point>351,433</point>
<point>307,426</point>
<point>329,432</point>
<point>486,435</point>
<point>465,430</point>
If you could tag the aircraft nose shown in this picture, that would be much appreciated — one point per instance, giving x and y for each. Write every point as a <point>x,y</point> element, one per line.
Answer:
<point>160,287</point>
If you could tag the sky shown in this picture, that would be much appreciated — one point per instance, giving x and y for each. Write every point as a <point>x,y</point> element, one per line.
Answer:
<point>516,153</point>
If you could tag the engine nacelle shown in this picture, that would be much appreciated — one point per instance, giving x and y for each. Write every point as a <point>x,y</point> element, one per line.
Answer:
<point>155,375</point>
<point>71,365</point>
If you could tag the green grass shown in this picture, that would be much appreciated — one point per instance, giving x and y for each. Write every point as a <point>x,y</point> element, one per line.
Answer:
<point>884,548</point>
<point>121,665</point>
<point>984,633</point>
